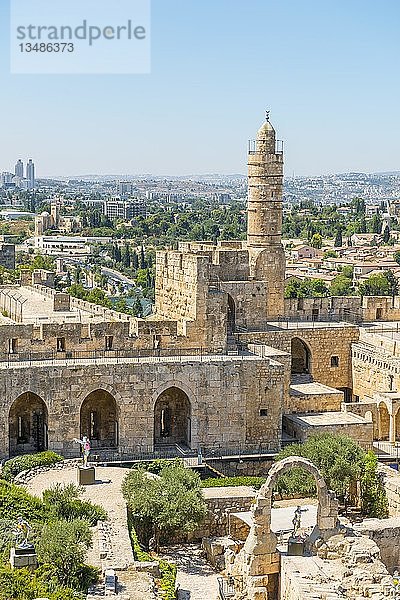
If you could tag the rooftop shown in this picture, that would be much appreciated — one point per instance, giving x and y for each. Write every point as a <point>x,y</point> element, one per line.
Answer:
<point>327,418</point>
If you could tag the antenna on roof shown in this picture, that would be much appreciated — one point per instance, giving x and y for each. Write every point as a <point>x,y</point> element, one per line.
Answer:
<point>267,114</point>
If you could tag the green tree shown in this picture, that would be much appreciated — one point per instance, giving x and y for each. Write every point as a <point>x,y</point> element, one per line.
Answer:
<point>374,501</point>
<point>338,239</point>
<point>316,241</point>
<point>386,235</point>
<point>380,284</point>
<point>396,256</point>
<point>162,506</point>
<point>339,458</point>
<point>376,224</point>
<point>341,286</point>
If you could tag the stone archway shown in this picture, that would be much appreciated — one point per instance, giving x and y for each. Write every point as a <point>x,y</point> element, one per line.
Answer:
<point>259,562</point>
<point>172,418</point>
<point>397,424</point>
<point>383,422</point>
<point>301,357</point>
<point>99,419</point>
<point>28,425</point>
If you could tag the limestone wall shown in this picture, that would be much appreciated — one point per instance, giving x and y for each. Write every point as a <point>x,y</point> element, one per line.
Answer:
<point>303,402</point>
<point>386,534</point>
<point>225,395</point>
<point>374,370</point>
<point>323,341</point>
<point>352,309</point>
<point>300,430</point>
<point>391,480</point>
<point>220,505</point>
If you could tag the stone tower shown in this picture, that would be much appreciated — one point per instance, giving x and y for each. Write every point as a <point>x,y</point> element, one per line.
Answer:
<point>264,231</point>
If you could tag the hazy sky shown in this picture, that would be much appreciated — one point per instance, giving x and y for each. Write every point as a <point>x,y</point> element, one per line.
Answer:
<point>328,69</point>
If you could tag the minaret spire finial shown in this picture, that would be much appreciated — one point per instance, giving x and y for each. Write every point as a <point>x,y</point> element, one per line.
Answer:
<point>267,114</point>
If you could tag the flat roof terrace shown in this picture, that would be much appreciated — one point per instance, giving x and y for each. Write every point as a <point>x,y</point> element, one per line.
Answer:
<point>73,359</point>
<point>28,305</point>
<point>36,305</point>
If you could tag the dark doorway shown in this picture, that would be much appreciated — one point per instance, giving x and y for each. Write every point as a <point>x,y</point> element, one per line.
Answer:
<point>28,425</point>
<point>99,420</point>
<point>231,315</point>
<point>301,357</point>
<point>172,418</point>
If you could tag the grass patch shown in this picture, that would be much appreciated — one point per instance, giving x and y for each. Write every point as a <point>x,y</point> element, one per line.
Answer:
<point>255,482</point>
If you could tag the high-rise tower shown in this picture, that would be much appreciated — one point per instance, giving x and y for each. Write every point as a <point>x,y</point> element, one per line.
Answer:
<point>30,174</point>
<point>19,169</point>
<point>264,231</point>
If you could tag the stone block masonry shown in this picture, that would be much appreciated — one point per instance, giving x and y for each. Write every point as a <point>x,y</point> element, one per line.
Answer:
<point>231,402</point>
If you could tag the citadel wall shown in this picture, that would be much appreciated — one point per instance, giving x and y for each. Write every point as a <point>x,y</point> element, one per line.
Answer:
<point>233,401</point>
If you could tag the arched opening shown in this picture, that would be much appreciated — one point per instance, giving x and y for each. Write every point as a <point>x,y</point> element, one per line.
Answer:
<point>301,357</point>
<point>397,424</point>
<point>99,419</point>
<point>369,416</point>
<point>384,422</point>
<point>172,418</point>
<point>231,317</point>
<point>261,544</point>
<point>28,425</point>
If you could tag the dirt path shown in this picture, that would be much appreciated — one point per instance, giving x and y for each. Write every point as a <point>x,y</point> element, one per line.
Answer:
<point>106,492</point>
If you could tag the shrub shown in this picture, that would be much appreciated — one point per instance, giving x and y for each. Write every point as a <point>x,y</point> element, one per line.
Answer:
<point>21,584</point>
<point>255,482</point>
<point>15,501</point>
<point>26,462</point>
<point>157,465</point>
<point>63,544</point>
<point>64,503</point>
<point>374,502</point>
<point>168,579</point>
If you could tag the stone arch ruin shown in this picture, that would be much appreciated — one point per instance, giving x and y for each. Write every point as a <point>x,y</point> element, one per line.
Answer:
<point>257,566</point>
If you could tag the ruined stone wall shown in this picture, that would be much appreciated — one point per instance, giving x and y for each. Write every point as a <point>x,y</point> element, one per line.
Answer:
<point>391,481</point>
<point>386,534</point>
<point>324,342</point>
<point>217,522</point>
<point>225,395</point>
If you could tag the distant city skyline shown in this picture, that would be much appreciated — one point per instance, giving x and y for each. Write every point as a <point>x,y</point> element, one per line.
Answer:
<point>326,71</point>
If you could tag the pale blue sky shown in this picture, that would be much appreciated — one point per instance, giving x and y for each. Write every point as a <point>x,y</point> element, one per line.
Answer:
<point>328,70</point>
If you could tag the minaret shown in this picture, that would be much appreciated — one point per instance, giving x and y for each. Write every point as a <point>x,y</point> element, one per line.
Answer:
<point>264,230</point>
